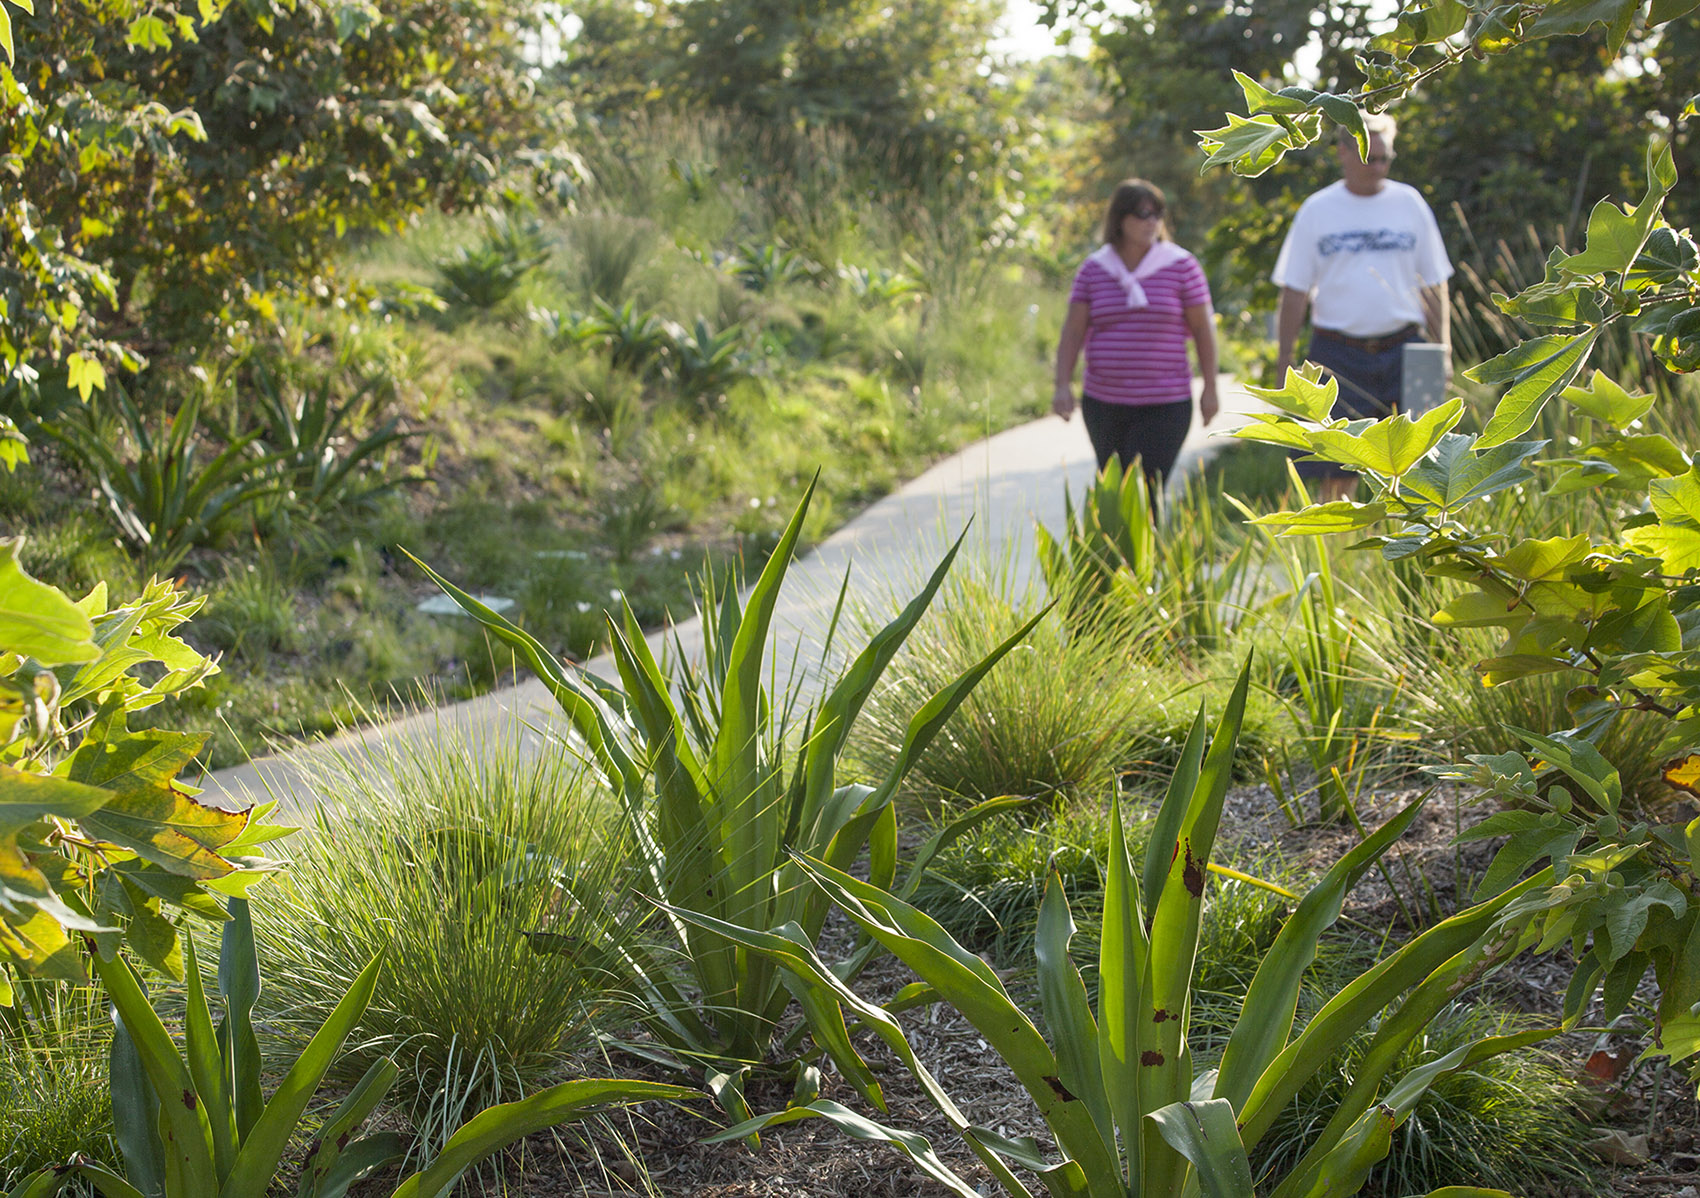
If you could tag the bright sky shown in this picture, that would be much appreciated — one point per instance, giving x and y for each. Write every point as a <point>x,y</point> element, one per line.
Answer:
<point>1021,37</point>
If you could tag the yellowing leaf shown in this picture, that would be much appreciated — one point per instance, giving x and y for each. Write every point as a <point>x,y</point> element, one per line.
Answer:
<point>1684,773</point>
<point>171,830</point>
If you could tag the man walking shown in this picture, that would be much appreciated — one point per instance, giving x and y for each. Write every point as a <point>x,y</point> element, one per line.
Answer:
<point>1365,256</point>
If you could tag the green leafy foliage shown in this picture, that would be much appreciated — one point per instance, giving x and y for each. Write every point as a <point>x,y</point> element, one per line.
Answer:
<point>1607,606</point>
<point>162,199</point>
<point>1116,1085</point>
<point>324,461</point>
<point>98,838</point>
<point>456,857</point>
<point>483,275</point>
<point>1111,557</point>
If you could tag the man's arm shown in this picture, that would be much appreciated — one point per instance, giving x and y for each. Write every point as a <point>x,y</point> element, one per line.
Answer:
<point>1437,318</point>
<point>1289,319</point>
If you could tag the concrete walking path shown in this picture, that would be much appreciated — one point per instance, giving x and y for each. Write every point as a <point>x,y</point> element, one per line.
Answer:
<point>1006,484</point>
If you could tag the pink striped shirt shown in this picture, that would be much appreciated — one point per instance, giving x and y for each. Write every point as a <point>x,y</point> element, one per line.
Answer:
<point>1138,355</point>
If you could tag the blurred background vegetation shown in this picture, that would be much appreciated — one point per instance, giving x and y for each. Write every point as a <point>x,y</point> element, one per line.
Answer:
<point>566,299</point>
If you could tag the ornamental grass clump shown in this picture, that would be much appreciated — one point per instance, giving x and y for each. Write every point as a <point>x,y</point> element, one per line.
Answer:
<point>193,1121</point>
<point>54,1098</point>
<point>1054,717</point>
<point>1511,1122</point>
<point>457,860</point>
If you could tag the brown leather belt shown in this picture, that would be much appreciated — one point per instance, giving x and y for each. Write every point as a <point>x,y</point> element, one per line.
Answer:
<point>1369,345</point>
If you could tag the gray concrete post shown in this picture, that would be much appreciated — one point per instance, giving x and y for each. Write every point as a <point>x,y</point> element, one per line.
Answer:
<point>1425,377</point>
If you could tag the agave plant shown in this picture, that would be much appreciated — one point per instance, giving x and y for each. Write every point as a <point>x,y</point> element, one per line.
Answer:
<point>636,338</point>
<point>719,780</point>
<point>708,361</point>
<point>483,275</point>
<point>323,465</point>
<point>168,498</point>
<point>194,1123</point>
<point>1110,553</point>
<point>1130,1115</point>
<point>764,268</point>
<point>880,285</point>
<point>566,330</point>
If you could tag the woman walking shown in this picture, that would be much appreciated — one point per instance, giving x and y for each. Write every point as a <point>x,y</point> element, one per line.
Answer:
<point>1136,302</point>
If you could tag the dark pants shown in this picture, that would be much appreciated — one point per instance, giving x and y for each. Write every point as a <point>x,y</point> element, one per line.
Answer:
<point>1153,433</point>
<point>1371,385</point>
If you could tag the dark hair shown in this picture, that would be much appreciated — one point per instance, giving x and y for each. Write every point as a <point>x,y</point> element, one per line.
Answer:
<point>1130,196</point>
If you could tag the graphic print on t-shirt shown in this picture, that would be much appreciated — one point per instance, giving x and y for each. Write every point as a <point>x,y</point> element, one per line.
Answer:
<point>1365,241</point>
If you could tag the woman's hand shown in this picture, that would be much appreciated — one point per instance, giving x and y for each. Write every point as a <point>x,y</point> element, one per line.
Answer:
<point>1208,404</point>
<point>1062,401</point>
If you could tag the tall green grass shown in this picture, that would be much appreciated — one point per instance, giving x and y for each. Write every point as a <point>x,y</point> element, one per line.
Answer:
<point>54,1098</point>
<point>458,860</point>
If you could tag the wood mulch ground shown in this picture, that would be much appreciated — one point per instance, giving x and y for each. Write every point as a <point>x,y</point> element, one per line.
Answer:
<point>1643,1116</point>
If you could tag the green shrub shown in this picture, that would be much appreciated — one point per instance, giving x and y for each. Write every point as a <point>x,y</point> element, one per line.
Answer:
<point>170,492</point>
<point>1467,718</point>
<point>452,858</point>
<point>1126,1101</point>
<point>722,782</point>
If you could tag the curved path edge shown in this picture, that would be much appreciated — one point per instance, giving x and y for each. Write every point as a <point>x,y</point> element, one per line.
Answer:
<point>1003,484</point>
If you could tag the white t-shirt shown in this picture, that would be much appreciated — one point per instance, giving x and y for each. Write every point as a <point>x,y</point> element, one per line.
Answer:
<point>1364,260</point>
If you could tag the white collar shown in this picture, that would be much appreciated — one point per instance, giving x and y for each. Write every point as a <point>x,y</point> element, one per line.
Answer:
<point>1161,254</point>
